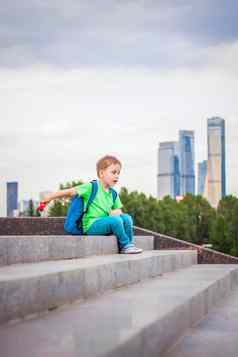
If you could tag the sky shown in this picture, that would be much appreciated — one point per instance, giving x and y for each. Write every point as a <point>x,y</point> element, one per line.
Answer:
<point>81,79</point>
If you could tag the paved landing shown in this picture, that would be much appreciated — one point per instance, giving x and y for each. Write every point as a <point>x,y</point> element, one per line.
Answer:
<point>214,336</point>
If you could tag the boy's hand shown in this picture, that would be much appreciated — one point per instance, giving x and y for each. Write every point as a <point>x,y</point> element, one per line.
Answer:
<point>115,212</point>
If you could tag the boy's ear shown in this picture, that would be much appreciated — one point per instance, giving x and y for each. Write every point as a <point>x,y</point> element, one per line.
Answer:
<point>100,174</point>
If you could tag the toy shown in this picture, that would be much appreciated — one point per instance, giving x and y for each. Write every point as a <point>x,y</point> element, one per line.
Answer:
<point>41,207</point>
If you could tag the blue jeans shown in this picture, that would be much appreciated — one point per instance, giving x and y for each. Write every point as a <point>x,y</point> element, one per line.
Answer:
<point>121,226</point>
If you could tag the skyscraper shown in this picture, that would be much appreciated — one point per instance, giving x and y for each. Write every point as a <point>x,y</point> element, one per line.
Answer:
<point>168,170</point>
<point>202,172</point>
<point>12,198</point>
<point>186,162</point>
<point>216,165</point>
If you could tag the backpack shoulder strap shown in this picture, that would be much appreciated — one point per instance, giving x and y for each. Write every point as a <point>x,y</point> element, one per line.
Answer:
<point>93,194</point>
<point>114,194</point>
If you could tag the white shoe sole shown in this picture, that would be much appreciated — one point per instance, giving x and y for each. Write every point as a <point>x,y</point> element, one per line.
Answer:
<point>131,252</point>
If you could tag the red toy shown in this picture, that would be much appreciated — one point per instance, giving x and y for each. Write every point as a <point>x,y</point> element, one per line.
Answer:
<point>41,207</point>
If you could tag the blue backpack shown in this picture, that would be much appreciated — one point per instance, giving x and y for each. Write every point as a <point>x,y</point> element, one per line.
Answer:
<point>76,211</point>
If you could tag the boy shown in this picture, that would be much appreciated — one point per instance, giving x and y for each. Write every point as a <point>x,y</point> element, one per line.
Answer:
<point>104,216</point>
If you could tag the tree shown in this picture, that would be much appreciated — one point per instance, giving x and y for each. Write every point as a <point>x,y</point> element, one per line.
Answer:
<point>219,236</point>
<point>31,210</point>
<point>58,209</point>
<point>60,206</point>
<point>199,216</point>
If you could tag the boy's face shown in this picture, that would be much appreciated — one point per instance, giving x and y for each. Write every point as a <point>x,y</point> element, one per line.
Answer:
<point>110,175</point>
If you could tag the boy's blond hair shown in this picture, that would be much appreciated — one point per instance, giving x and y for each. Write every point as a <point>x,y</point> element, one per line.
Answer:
<point>106,161</point>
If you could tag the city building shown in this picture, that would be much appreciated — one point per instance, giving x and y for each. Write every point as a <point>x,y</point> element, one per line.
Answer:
<point>202,173</point>
<point>12,198</point>
<point>24,206</point>
<point>216,164</point>
<point>186,162</point>
<point>168,180</point>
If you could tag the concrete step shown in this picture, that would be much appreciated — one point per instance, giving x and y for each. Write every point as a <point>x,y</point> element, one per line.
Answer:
<point>30,249</point>
<point>140,320</point>
<point>214,336</point>
<point>31,288</point>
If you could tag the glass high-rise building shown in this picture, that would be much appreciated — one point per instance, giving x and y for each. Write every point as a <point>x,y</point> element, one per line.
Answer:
<point>202,173</point>
<point>216,164</point>
<point>168,180</point>
<point>186,162</point>
<point>12,198</point>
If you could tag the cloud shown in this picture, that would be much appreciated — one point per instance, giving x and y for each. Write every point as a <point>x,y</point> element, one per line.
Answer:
<point>57,123</point>
<point>79,80</point>
<point>72,34</point>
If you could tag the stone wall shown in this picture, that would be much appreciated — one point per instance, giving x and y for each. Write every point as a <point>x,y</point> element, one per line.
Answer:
<point>54,226</point>
<point>205,255</point>
<point>32,226</point>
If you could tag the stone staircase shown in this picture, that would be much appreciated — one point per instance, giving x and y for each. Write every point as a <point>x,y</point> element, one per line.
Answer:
<point>214,336</point>
<point>64,296</point>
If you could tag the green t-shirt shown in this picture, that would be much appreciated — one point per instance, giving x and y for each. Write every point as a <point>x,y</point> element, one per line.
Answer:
<point>101,205</point>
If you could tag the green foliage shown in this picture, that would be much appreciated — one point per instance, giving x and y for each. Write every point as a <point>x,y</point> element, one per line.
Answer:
<point>228,241</point>
<point>59,207</point>
<point>70,184</point>
<point>31,209</point>
<point>198,216</point>
<point>228,208</point>
<point>219,236</point>
<point>189,219</point>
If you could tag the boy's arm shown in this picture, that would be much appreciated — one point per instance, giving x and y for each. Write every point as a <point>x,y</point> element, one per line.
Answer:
<point>115,212</point>
<point>69,192</point>
<point>116,208</point>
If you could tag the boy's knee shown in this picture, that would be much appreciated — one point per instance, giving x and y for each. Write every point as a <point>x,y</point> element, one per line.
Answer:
<point>127,218</point>
<point>115,221</point>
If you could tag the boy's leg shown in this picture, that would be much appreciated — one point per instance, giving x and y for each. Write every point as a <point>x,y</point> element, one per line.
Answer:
<point>110,225</point>
<point>128,225</point>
